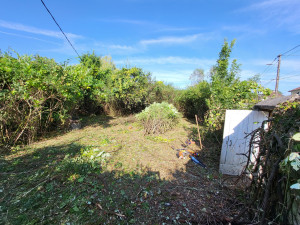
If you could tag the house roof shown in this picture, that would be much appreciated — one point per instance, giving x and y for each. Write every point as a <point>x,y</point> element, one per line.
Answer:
<point>270,103</point>
<point>296,89</point>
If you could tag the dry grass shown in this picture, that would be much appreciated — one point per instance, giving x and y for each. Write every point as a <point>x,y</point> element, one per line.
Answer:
<point>141,182</point>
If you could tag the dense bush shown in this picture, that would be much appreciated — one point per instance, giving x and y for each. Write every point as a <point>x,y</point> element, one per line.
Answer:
<point>30,102</point>
<point>97,86</point>
<point>38,95</point>
<point>192,101</point>
<point>159,92</point>
<point>158,118</point>
<point>273,194</point>
<point>128,90</point>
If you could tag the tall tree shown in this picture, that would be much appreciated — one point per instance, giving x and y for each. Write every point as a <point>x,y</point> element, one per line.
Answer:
<point>221,71</point>
<point>197,76</point>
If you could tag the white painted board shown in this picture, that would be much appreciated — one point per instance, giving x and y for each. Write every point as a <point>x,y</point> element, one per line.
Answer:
<point>238,123</point>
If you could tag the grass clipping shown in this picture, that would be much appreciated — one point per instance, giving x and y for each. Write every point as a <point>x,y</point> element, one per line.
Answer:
<point>158,118</point>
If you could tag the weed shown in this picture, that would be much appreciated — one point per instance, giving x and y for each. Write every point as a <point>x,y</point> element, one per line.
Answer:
<point>159,139</point>
<point>158,118</point>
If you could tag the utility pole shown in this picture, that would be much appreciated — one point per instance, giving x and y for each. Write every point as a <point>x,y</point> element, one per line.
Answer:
<point>278,71</point>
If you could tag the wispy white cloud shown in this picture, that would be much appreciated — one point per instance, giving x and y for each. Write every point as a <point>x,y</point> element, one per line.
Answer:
<point>122,47</point>
<point>29,37</point>
<point>169,60</point>
<point>156,27</point>
<point>34,30</point>
<point>267,4</point>
<point>175,39</point>
<point>282,13</point>
<point>142,45</point>
<point>114,49</point>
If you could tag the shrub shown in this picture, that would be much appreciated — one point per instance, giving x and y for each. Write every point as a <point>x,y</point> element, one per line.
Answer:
<point>158,118</point>
<point>158,91</point>
<point>192,101</point>
<point>128,91</point>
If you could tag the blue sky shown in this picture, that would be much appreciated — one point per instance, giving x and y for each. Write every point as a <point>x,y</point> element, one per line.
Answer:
<point>169,38</point>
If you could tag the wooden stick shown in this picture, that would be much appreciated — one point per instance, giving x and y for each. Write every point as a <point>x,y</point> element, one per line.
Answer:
<point>198,132</point>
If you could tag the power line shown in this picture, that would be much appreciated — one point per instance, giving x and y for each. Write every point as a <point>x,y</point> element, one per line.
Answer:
<point>291,49</point>
<point>267,82</point>
<point>268,67</point>
<point>60,28</point>
<point>278,68</point>
<point>292,54</point>
<point>282,78</point>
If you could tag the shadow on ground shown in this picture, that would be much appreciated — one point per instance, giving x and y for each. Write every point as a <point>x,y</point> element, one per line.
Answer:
<point>68,184</point>
<point>99,120</point>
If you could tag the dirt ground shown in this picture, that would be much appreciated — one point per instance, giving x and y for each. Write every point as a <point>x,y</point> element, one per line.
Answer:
<point>168,190</point>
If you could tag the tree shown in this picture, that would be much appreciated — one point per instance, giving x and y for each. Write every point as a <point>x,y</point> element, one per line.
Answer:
<point>221,72</point>
<point>227,91</point>
<point>255,78</point>
<point>197,76</point>
<point>128,90</point>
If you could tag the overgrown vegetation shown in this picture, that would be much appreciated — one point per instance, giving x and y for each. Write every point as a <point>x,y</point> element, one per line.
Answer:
<point>38,95</point>
<point>103,175</point>
<point>192,101</point>
<point>225,91</point>
<point>274,190</point>
<point>158,118</point>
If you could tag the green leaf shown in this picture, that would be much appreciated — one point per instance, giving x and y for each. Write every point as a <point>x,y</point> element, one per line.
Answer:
<point>297,147</point>
<point>80,179</point>
<point>75,208</point>
<point>296,137</point>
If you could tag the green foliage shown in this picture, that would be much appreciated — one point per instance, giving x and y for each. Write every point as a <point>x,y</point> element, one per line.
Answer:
<point>274,188</point>
<point>227,91</point>
<point>158,118</point>
<point>29,96</point>
<point>97,82</point>
<point>38,95</point>
<point>159,92</point>
<point>71,185</point>
<point>128,90</point>
<point>192,101</point>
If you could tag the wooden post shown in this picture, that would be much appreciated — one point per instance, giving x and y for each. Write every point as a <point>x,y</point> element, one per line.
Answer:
<point>198,132</point>
<point>277,78</point>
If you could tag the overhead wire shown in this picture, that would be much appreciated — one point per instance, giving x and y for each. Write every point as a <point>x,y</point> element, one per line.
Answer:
<point>269,65</point>
<point>269,81</point>
<point>282,78</point>
<point>291,54</point>
<point>290,50</point>
<point>60,28</point>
